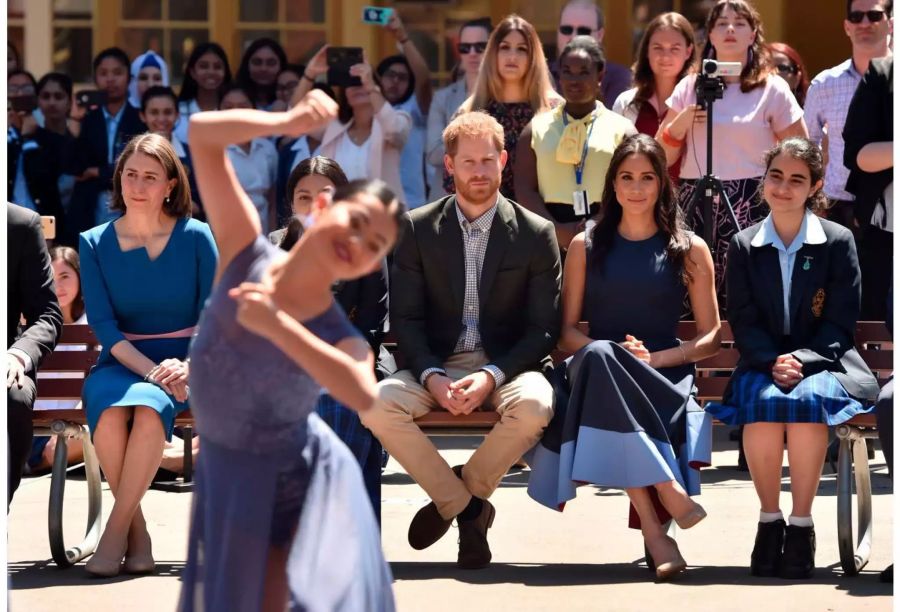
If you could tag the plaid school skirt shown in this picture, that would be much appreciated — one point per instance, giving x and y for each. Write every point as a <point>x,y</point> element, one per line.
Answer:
<point>755,398</point>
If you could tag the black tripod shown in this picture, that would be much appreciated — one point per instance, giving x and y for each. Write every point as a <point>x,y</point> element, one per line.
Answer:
<point>709,188</point>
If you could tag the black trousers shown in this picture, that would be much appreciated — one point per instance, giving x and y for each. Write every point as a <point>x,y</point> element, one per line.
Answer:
<point>884,413</point>
<point>876,263</point>
<point>18,416</point>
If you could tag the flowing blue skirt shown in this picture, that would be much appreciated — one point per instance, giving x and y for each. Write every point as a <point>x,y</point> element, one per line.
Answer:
<point>619,423</point>
<point>246,503</point>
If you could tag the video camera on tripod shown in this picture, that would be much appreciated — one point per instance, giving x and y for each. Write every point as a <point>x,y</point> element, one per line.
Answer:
<point>711,80</point>
<point>709,190</point>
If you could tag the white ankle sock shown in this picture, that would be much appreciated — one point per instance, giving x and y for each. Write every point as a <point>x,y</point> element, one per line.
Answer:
<point>770,517</point>
<point>800,521</point>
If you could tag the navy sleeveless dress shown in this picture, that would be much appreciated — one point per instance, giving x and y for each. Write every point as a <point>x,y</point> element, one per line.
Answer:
<point>618,422</point>
<point>271,473</point>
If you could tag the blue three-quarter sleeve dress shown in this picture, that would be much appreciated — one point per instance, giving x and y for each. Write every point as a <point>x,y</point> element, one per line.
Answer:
<point>126,292</point>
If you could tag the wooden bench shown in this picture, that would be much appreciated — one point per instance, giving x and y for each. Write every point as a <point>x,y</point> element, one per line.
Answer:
<point>872,340</point>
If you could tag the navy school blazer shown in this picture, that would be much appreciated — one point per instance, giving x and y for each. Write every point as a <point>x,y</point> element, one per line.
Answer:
<point>824,308</point>
<point>91,150</point>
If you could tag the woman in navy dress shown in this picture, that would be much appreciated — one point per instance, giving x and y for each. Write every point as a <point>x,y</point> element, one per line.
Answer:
<point>625,415</point>
<point>280,517</point>
<point>145,278</point>
<point>793,301</point>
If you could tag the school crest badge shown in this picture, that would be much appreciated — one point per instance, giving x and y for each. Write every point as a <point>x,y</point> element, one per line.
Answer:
<point>818,303</point>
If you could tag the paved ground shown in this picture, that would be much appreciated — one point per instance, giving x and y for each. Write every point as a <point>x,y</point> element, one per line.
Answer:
<point>583,559</point>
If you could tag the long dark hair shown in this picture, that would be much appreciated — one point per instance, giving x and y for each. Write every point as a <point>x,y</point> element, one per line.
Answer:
<point>373,187</point>
<point>189,85</point>
<point>805,150</point>
<point>320,165</point>
<point>69,256</point>
<point>243,73</point>
<point>644,79</point>
<point>666,213</point>
<point>759,63</point>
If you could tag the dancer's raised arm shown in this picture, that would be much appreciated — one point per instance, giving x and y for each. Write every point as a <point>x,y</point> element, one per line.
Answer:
<point>232,216</point>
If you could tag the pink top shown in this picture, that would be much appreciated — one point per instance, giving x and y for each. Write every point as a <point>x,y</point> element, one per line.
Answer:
<point>744,126</point>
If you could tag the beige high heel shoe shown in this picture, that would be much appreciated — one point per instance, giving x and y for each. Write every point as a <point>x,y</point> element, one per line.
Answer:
<point>672,563</point>
<point>104,567</point>
<point>143,563</point>
<point>691,517</point>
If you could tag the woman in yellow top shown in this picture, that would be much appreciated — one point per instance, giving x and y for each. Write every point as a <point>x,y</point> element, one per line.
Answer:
<point>563,154</point>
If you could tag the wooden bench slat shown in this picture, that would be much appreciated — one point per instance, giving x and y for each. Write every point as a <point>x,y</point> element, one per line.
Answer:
<point>45,417</point>
<point>78,334</point>
<point>441,418</point>
<point>69,361</point>
<point>59,388</point>
<point>878,360</point>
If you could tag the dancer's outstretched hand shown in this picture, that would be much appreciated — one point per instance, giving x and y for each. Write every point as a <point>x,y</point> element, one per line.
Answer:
<point>256,310</point>
<point>313,112</point>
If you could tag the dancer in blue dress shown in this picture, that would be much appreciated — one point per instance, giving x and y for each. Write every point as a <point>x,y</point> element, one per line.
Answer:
<point>145,278</point>
<point>625,416</point>
<point>281,518</point>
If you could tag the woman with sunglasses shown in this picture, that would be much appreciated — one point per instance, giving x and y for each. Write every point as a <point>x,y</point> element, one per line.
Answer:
<point>513,85</point>
<point>790,67</point>
<point>473,39</point>
<point>756,111</point>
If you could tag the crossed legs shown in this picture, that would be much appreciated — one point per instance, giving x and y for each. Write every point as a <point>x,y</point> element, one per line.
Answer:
<point>129,459</point>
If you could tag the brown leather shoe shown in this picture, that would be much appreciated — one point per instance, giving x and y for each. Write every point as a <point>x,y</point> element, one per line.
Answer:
<point>474,551</point>
<point>428,526</point>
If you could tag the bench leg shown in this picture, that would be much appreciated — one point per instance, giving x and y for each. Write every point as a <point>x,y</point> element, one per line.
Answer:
<point>188,472</point>
<point>853,465</point>
<point>61,555</point>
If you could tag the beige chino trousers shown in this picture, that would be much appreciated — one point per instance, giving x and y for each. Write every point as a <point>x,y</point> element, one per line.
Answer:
<point>525,405</point>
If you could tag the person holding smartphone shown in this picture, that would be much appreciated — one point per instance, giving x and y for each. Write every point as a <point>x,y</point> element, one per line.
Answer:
<point>105,131</point>
<point>33,155</point>
<point>406,85</point>
<point>368,135</point>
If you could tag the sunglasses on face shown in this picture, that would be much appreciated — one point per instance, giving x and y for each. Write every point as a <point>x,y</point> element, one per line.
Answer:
<point>466,48</point>
<point>857,16</point>
<point>566,30</point>
<point>786,69</point>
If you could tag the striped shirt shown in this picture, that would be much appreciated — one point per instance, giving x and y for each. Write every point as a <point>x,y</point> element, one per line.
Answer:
<point>827,102</point>
<point>475,240</point>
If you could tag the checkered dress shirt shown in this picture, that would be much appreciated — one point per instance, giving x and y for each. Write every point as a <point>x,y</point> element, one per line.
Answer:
<point>475,240</point>
<point>827,102</point>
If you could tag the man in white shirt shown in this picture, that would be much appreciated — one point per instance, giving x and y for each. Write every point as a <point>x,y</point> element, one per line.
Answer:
<point>868,24</point>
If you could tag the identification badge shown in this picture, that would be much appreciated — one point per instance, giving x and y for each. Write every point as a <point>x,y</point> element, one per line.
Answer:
<point>580,202</point>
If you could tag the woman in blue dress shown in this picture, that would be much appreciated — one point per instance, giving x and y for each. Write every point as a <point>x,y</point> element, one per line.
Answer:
<point>793,302</point>
<point>145,278</point>
<point>625,416</point>
<point>281,518</point>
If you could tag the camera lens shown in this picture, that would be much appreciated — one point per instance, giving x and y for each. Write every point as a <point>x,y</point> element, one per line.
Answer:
<point>709,66</point>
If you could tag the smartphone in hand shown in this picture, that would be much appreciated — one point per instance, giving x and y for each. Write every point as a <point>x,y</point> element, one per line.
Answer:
<point>377,15</point>
<point>91,98</point>
<point>23,104</point>
<point>339,60</point>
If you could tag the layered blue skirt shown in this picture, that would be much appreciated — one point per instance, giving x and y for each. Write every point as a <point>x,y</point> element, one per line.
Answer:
<point>619,423</point>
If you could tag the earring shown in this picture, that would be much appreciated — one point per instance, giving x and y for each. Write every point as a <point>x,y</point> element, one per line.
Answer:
<point>167,199</point>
